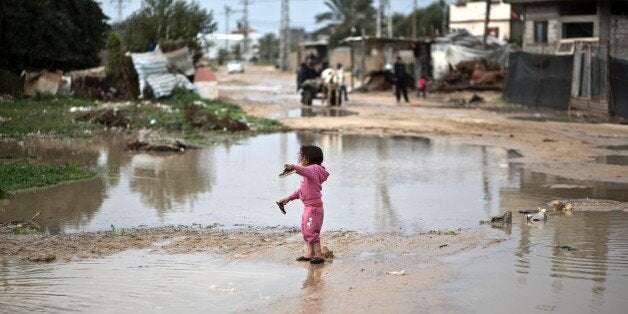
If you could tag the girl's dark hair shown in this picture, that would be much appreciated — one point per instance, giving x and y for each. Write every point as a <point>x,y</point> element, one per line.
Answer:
<point>313,154</point>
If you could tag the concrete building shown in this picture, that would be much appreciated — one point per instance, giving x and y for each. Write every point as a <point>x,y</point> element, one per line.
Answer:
<point>549,22</point>
<point>471,16</point>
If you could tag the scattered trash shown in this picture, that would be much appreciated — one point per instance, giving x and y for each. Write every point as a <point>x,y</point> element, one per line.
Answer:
<point>327,252</point>
<point>198,117</point>
<point>499,221</point>
<point>563,207</point>
<point>144,146</point>
<point>397,273</point>
<point>108,117</point>
<point>565,247</point>
<point>539,216</point>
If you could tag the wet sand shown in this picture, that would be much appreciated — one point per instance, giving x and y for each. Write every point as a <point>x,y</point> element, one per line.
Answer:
<point>361,275</point>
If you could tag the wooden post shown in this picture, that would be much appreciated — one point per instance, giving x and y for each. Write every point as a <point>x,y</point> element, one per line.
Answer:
<point>351,51</point>
<point>363,58</point>
<point>577,69</point>
<point>486,20</point>
<point>586,78</point>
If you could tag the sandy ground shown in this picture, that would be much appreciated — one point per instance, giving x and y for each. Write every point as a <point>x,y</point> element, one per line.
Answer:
<point>358,277</point>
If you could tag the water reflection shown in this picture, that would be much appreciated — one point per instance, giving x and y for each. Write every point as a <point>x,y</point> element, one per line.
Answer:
<point>377,183</point>
<point>165,180</point>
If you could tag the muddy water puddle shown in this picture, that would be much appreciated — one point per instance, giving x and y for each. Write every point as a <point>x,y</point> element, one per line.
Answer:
<point>566,265</point>
<point>377,183</point>
<point>141,281</point>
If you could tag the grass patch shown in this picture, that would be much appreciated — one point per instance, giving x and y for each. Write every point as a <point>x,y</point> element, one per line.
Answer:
<point>43,114</point>
<point>19,229</point>
<point>18,175</point>
<point>52,115</point>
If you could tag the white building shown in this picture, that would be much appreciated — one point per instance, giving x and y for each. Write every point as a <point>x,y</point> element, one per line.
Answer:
<point>215,42</point>
<point>471,16</point>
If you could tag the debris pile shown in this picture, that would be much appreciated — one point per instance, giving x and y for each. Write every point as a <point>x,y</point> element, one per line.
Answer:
<point>138,145</point>
<point>479,74</point>
<point>499,221</point>
<point>108,117</point>
<point>200,118</point>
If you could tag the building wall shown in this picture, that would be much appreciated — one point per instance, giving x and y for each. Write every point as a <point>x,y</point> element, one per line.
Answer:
<point>470,16</point>
<point>550,12</point>
<point>619,37</point>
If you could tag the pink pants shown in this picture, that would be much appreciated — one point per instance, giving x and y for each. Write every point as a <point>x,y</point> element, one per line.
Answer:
<point>311,223</point>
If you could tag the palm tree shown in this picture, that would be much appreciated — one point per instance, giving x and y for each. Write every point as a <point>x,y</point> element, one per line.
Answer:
<point>344,16</point>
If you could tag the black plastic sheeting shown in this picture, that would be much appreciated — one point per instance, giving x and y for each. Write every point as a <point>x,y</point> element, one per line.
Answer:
<point>539,80</point>
<point>618,74</point>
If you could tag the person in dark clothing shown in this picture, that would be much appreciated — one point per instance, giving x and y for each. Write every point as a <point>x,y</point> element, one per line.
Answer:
<point>300,75</point>
<point>400,80</point>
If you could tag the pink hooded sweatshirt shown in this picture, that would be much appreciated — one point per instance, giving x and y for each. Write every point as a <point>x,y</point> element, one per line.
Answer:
<point>310,190</point>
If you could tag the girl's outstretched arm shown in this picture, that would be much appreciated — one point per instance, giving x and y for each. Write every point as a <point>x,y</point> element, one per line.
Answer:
<point>304,172</point>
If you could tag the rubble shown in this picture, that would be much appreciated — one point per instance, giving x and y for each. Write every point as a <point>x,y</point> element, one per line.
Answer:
<point>200,118</point>
<point>108,117</point>
<point>138,145</point>
<point>479,74</point>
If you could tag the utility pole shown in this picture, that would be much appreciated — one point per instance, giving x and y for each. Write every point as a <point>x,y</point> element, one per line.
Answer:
<point>380,7</point>
<point>486,19</point>
<point>284,33</point>
<point>414,20</point>
<point>390,24</point>
<point>443,25</point>
<point>245,47</point>
<point>227,13</point>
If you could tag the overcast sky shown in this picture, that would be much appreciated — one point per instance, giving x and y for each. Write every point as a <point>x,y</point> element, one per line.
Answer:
<point>264,15</point>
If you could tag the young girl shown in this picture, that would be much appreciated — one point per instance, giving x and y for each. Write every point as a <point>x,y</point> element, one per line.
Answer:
<point>309,167</point>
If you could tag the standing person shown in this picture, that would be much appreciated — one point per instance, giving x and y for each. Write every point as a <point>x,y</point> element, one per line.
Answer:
<point>309,167</point>
<point>341,81</point>
<point>421,86</point>
<point>400,80</point>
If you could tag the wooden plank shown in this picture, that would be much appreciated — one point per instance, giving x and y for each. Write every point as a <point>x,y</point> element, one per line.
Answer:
<point>575,76</point>
<point>586,78</point>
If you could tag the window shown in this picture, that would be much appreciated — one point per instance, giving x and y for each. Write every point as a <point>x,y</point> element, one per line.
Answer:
<point>540,32</point>
<point>576,30</point>
<point>578,8</point>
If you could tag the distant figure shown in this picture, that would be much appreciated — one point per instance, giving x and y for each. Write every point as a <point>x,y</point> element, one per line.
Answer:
<point>341,78</point>
<point>300,75</point>
<point>421,85</point>
<point>400,80</point>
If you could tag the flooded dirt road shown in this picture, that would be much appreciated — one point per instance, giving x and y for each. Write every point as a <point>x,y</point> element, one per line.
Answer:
<point>397,172</point>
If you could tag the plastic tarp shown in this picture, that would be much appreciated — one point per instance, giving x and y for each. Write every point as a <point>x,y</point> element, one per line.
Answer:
<point>153,63</point>
<point>618,74</point>
<point>181,61</point>
<point>152,70</point>
<point>450,50</point>
<point>446,56</point>
<point>539,80</point>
